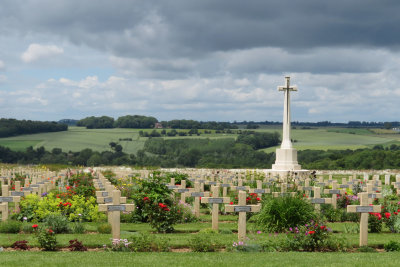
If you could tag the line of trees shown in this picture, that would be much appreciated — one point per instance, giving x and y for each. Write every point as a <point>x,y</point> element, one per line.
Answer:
<point>207,153</point>
<point>13,127</point>
<point>128,121</point>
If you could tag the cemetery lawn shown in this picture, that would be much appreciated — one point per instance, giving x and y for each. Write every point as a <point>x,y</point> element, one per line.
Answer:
<point>197,259</point>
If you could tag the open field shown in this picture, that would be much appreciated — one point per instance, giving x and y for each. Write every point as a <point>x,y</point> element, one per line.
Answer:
<point>78,138</point>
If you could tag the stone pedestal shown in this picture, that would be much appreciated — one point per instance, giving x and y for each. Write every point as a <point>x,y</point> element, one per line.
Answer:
<point>286,160</point>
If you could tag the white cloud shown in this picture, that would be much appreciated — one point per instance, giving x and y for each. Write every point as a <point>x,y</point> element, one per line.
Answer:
<point>3,78</point>
<point>38,51</point>
<point>2,65</point>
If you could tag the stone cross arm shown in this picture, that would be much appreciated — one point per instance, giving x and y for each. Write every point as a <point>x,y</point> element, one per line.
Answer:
<point>245,208</point>
<point>363,209</point>
<point>215,200</point>
<point>287,86</point>
<point>121,207</point>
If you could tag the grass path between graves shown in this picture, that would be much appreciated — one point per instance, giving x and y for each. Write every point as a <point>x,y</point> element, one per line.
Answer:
<point>197,259</point>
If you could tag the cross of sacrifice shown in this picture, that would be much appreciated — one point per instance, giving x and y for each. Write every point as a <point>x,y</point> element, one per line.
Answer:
<point>215,200</point>
<point>242,208</point>
<point>114,210</point>
<point>4,200</point>
<point>196,193</point>
<point>286,142</point>
<point>364,209</point>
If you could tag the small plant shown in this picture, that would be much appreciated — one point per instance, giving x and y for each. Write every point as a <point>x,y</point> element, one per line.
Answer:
<point>202,243</point>
<point>209,231</point>
<point>10,227</point>
<point>47,239</point>
<point>75,245</point>
<point>78,228</point>
<point>20,245</point>
<point>351,229</point>
<point>392,246</point>
<point>375,222</point>
<point>104,228</point>
<point>58,223</point>
<point>245,247</point>
<point>27,228</point>
<point>366,249</point>
<point>120,245</point>
<point>148,243</point>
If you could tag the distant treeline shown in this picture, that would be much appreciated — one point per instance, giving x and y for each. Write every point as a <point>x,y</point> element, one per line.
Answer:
<point>144,122</point>
<point>13,127</point>
<point>208,153</point>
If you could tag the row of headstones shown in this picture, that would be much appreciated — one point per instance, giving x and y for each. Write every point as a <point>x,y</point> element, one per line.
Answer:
<point>114,208</point>
<point>38,185</point>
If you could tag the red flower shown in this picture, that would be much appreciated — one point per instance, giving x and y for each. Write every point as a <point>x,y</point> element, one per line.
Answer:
<point>35,226</point>
<point>258,199</point>
<point>395,213</point>
<point>146,199</point>
<point>50,231</point>
<point>311,232</point>
<point>387,215</point>
<point>166,209</point>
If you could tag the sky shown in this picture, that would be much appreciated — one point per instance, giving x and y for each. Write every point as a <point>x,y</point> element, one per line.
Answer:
<point>208,60</point>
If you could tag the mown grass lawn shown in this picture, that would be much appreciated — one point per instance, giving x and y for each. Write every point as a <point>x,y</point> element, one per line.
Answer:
<point>197,259</point>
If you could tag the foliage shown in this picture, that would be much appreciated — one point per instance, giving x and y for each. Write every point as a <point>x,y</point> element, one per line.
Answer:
<point>13,127</point>
<point>202,243</point>
<point>392,246</point>
<point>20,245</point>
<point>119,245</point>
<point>57,222</point>
<point>104,228</point>
<point>258,140</point>
<point>47,239</point>
<point>148,243</point>
<point>96,122</point>
<point>10,227</point>
<point>135,121</point>
<point>278,214</point>
<point>375,223</point>
<point>75,208</point>
<point>75,245</point>
<point>245,247</point>
<point>78,228</point>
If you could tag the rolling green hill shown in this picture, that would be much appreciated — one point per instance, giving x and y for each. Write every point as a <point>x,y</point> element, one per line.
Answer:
<point>78,138</point>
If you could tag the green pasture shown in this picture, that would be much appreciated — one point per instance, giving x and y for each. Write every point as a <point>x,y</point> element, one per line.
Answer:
<point>78,138</point>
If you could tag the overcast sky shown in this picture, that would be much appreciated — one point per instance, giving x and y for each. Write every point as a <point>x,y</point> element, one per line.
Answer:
<point>200,59</point>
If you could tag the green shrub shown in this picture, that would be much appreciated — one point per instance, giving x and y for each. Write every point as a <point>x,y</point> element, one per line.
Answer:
<point>47,239</point>
<point>202,243</point>
<point>27,228</point>
<point>78,228</point>
<point>58,223</point>
<point>148,243</point>
<point>366,249</point>
<point>331,214</point>
<point>10,227</point>
<point>392,246</point>
<point>375,223</point>
<point>104,228</point>
<point>75,245</point>
<point>278,214</point>
<point>20,245</point>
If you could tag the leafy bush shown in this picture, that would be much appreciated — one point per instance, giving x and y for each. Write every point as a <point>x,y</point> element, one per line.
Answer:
<point>47,239</point>
<point>104,228</point>
<point>58,223</point>
<point>10,227</point>
<point>20,245</point>
<point>78,228</point>
<point>148,243</point>
<point>76,208</point>
<point>278,214</point>
<point>27,228</point>
<point>375,223</point>
<point>392,246</point>
<point>155,204</point>
<point>75,245</point>
<point>202,243</point>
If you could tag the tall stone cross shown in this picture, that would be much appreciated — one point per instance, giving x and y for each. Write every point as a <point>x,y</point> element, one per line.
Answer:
<point>286,142</point>
<point>364,208</point>
<point>286,155</point>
